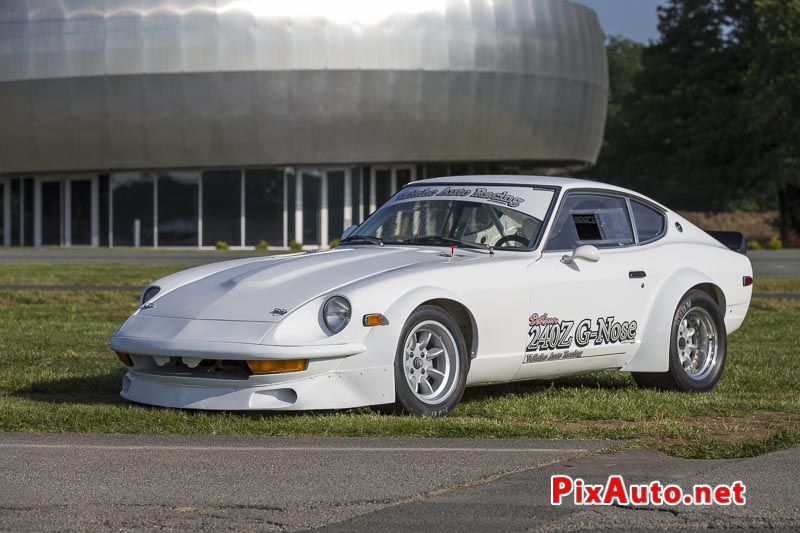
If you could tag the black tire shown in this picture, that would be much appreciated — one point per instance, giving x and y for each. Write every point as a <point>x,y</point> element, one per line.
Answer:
<point>698,309</point>
<point>424,319</point>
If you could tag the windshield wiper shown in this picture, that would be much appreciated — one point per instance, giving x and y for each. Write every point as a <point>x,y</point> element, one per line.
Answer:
<point>436,239</point>
<point>371,240</point>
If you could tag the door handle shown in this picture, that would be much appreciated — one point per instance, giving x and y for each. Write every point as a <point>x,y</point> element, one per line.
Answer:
<point>636,274</point>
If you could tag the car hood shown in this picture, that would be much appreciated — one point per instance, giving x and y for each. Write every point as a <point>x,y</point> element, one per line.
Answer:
<point>252,291</point>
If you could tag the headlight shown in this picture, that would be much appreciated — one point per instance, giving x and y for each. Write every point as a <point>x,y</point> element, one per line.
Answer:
<point>148,294</point>
<point>336,313</point>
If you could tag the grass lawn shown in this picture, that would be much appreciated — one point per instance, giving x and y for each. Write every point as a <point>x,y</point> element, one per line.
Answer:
<point>133,275</point>
<point>57,375</point>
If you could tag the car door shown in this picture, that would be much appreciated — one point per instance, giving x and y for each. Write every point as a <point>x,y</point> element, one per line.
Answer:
<point>585,314</point>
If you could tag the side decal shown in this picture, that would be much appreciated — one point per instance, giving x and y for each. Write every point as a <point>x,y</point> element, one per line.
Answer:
<point>551,339</point>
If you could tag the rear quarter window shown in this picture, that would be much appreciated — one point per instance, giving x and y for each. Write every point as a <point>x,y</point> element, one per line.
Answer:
<point>650,224</point>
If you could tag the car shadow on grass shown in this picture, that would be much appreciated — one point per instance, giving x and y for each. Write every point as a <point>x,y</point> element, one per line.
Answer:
<point>104,389</point>
<point>94,389</point>
<point>609,381</point>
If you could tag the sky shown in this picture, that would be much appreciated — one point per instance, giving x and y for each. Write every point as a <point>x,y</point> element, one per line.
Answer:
<point>634,19</point>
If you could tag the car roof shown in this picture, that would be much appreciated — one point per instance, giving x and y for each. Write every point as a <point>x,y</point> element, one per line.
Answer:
<point>543,181</point>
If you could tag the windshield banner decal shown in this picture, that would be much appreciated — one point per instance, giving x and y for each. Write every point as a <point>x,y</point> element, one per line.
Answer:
<point>463,192</point>
<point>527,199</point>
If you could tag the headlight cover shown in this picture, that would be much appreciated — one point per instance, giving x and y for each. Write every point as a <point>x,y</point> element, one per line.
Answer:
<point>336,313</point>
<point>148,294</point>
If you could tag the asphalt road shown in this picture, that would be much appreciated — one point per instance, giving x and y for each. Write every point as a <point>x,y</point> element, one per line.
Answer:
<point>168,483</point>
<point>772,264</point>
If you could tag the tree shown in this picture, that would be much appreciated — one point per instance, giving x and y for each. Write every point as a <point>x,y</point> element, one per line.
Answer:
<point>668,138</point>
<point>624,65</point>
<point>708,116</point>
<point>768,33</point>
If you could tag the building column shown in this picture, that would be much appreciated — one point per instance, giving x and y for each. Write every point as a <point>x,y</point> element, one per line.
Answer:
<point>95,211</point>
<point>22,213</point>
<point>200,212</point>
<point>361,195</point>
<point>348,198</point>
<point>155,211</point>
<point>372,193</point>
<point>323,210</point>
<point>242,210</point>
<point>110,210</point>
<point>298,207</point>
<point>37,212</point>
<point>66,222</point>
<point>285,208</point>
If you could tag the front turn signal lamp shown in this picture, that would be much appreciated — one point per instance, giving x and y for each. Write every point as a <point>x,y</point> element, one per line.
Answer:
<point>375,319</point>
<point>267,366</point>
<point>125,358</point>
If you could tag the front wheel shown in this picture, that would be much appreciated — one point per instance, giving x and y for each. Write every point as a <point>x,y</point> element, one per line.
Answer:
<point>431,363</point>
<point>698,347</point>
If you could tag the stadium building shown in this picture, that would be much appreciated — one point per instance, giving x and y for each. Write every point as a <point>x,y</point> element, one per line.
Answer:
<point>187,122</point>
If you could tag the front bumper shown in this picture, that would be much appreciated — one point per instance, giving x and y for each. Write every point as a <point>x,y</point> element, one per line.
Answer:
<point>166,371</point>
<point>230,350</point>
<point>339,389</point>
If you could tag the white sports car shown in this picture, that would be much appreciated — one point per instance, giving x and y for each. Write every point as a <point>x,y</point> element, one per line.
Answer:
<point>453,282</point>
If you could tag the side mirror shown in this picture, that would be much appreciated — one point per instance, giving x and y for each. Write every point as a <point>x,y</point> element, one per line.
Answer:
<point>349,231</point>
<point>587,252</point>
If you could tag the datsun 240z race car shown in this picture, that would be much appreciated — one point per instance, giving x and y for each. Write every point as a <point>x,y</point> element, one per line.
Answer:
<point>453,282</point>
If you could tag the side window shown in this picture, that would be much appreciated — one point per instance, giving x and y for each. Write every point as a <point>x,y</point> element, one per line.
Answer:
<point>650,223</point>
<point>595,219</point>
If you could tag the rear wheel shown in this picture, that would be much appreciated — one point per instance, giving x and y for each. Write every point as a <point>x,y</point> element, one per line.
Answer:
<point>431,364</point>
<point>697,350</point>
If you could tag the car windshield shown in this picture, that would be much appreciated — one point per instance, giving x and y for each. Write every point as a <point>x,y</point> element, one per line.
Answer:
<point>464,215</point>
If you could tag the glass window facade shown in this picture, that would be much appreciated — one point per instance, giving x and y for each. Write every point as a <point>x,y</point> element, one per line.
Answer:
<point>102,208</point>
<point>311,203</point>
<point>366,184</point>
<point>27,218</point>
<point>336,206</point>
<point>81,212</point>
<point>2,213</point>
<point>403,177</point>
<point>264,194</point>
<point>222,207</point>
<point>132,207</point>
<point>177,208</point>
<point>199,208</point>
<point>52,201</point>
<point>383,186</point>
<point>16,209</point>
<point>355,191</point>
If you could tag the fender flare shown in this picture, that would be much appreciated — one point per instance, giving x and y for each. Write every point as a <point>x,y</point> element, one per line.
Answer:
<point>402,308</point>
<point>653,353</point>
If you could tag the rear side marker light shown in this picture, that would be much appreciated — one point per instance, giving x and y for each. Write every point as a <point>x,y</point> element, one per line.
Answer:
<point>376,319</point>
<point>747,281</point>
<point>263,366</point>
<point>125,358</point>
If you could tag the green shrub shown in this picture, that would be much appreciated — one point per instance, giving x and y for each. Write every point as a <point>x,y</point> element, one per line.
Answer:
<point>334,243</point>
<point>295,246</point>
<point>262,245</point>
<point>774,244</point>
<point>222,245</point>
<point>753,244</point>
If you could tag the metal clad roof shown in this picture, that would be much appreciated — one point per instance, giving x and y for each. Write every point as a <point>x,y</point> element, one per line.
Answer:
<point>102,84</point>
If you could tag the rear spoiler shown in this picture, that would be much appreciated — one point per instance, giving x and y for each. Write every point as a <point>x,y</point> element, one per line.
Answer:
<point>732,239</point>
